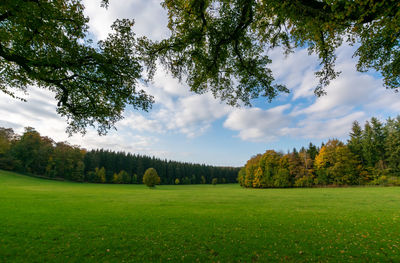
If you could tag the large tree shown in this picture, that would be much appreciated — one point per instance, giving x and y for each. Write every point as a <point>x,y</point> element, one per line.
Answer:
<point>222,45</point>
<point>45,43</point>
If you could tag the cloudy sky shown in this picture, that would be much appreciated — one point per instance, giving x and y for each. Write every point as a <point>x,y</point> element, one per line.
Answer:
<point>198,128</point>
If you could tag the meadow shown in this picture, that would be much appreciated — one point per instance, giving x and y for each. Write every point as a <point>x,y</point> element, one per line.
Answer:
<point>57,221</point>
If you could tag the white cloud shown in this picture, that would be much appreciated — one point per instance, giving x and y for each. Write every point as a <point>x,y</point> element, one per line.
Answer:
<point>296,71</point>
<point>324,128</point>
<point>191,115</point>
<point>150,17</point>
<point>255,124</point>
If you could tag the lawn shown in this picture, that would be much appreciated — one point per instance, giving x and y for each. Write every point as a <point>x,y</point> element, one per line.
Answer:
<point>52,221</point>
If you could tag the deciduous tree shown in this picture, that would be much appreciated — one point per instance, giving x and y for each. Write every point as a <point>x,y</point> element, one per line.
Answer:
<point>222,46</point>
<point>151,178</point>
<point>46,43</point>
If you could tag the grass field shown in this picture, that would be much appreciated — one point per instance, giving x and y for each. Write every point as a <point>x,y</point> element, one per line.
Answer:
<point>51,221</point>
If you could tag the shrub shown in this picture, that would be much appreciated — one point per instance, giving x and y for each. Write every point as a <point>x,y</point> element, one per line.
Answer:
<point>203,179</point>
<point>305,181</point>
<point>214,181</point>
<point>134,179</point>
<point>126,179</point>
<point>99,175</point>
<point>151,178</point>
<point>186,180</point>
<point>386,181</point>
<point>177,181</point>
<point>117,178</point>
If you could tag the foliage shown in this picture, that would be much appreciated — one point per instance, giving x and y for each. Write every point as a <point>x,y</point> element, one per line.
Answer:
<point>305,181</point>
<point>223,46</point>
<point>46,43</point>
<point>100,175</point>
<point>151,178</point>
<point>177,181</point>
<point>117,178</point>
<point>220,46</point>
<point>203,180</point>
<point>214,181</point>
<point>371,156</point>
<point>386,181</point>
<point>35,154</point>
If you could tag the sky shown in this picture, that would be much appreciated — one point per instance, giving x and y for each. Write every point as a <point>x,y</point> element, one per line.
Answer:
<point>184,126</point>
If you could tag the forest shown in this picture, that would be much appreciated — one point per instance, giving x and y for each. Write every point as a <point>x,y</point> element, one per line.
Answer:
<point>34,154</point>
<point>371,156</point>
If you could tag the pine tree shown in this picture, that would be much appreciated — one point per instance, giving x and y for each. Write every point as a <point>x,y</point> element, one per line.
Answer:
<point>355,142</point>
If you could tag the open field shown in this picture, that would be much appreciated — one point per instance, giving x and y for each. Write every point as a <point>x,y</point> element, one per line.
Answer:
<point>51,221</point>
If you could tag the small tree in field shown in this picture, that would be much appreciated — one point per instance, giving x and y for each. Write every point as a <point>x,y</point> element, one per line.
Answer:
<point>214,181</point>
<point>151,178</point>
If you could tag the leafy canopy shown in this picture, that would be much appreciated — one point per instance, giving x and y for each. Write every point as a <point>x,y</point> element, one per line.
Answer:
<point>45,43</point>
<point>222,45</point>
<point>151,178</point>
<point>215,45</point>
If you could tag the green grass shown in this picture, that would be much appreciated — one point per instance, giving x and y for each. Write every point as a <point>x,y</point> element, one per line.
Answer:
<point>51,221</point>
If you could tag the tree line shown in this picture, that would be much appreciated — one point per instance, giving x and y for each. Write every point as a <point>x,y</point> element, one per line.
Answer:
<point>370,156</point>
<point>39,155</point>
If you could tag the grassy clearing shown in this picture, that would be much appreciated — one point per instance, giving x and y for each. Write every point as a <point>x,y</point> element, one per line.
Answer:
<point>50,221</point>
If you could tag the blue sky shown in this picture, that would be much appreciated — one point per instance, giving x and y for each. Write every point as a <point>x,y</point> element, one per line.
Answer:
<point>198,128</point>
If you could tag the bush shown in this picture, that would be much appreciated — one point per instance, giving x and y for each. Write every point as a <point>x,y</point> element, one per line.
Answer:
<point>386,181</point>
<point>214,181</point>
<point>305,181</point>
<point>117,178</point>
<point>203,179</point>
<point>98,176</point>
<point>186,180</point>
<point>151,178</point>
<point>134,179</point>
<point>177,181</point>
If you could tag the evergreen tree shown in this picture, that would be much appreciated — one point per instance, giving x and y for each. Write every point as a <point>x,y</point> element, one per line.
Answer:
<point>355,143</point>
<point>392,145</point>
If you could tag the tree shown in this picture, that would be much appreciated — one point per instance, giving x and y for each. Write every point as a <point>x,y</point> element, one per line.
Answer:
<point>269,165</point>
<point>100,175</point>
<point>355,141</point>
<point>214,181</point>
<point>325,159</point>
<point>45,43</point>
<point>151,178</point>
<point>203,179</point>
<point>250,168</point>
<point>177,181</point>
<point>134,179</point>
<point>32,151</point>
<point>219,46</point>
<point>392,144</point>
<point>6,138</point>
<point>66,161</point>
<point>222,46</point>
<point>125,177</point>
<point>117,178</point>
<point>242,176</point>
<point>378,138</point>
<point>345,171</point>
<point>312,151</point>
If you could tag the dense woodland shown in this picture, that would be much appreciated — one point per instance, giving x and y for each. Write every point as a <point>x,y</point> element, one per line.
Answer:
<point>38,155</point>
<point>371,156</point>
